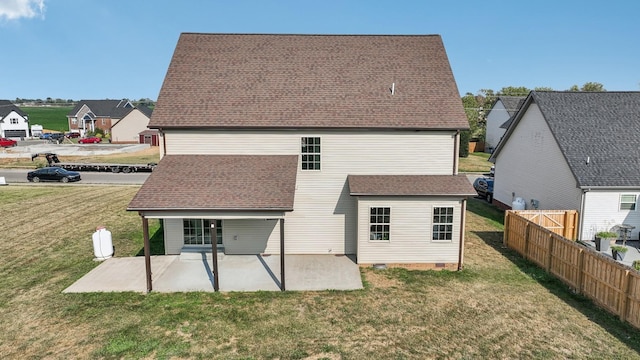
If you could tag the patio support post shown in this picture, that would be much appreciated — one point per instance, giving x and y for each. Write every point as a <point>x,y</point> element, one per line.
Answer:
<point>147,251</point>
<point>214,257</point>
<point>282,286</point>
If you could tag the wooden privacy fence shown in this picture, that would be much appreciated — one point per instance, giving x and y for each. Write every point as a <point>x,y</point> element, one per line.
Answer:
<point>561,222</point>
<point>608,283</point>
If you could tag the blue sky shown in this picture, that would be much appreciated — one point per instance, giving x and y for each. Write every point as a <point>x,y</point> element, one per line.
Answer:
<point>98,49</point>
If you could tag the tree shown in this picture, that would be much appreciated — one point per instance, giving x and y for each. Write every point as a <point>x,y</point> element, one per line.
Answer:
<point>588,86</point>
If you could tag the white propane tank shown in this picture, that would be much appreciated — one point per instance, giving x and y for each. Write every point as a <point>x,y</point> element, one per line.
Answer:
<point>518,204</point>
<point>102,243</point>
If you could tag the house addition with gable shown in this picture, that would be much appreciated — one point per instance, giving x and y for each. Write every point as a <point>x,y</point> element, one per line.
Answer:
<point>310,144</point>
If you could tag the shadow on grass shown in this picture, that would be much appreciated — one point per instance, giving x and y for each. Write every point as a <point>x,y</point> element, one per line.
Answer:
<point>611,323</point>
<point>157,243</point>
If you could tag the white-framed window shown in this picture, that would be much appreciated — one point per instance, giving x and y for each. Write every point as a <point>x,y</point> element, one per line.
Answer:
<point>628,202</point>
<point>310,152</point>
<point>74,121</point>
<point>379,223</point>
<point>442,224</point>
<point>198,231</point>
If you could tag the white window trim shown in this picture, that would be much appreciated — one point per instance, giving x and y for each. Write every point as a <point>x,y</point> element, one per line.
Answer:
<point>320,153</point>
<point>453,224</point>
<point>369,225</point>
<point>635,202</point>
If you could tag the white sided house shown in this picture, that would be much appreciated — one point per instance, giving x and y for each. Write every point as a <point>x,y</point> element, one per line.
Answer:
<point>574,151</point>
<point>310,144</point>
<point>14,123</point>
<point>498,118</point>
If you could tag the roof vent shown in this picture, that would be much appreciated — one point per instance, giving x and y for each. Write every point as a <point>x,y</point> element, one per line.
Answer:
<point>393,88</point>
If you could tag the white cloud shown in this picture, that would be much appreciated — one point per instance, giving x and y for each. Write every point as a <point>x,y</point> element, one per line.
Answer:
<point>16,9</point>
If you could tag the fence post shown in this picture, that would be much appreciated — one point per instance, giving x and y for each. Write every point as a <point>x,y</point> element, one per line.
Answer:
<point>526,240</point>
<point>624,297</point>
<point>505,233</point>
<point>580,270</point>
<point>550,250</point>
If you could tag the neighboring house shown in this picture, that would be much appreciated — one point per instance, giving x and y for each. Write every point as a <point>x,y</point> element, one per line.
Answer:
<point>574,151</point>
<point>499,117</point>
<point>14,123</point>
<point>128,128</point>
<point>353,140</point>
<point>119,118</point>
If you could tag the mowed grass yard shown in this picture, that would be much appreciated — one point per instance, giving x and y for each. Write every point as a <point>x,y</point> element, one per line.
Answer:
<point>499,307</point>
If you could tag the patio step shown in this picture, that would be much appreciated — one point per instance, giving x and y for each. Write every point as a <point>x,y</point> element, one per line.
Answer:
<point>195,254</point>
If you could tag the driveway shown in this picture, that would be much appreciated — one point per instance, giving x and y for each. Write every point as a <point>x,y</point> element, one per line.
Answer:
<point>173,273</point>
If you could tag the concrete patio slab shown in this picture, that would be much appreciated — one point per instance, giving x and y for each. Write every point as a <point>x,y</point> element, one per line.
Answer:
<point>171,273</point>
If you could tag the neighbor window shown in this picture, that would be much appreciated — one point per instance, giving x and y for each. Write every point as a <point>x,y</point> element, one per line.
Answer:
<point>198,231</point>
<point>379,220</point>
<point>627,202</point>
<point>442,223</point>
<point>74,121</point>
<point>310,153</point>
<point>14,121</point>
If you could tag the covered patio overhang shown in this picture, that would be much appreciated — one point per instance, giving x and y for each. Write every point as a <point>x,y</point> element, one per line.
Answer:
<point>218,187</point>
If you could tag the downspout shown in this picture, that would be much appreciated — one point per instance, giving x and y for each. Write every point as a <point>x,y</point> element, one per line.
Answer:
<point>462,227</point>
<point>581,215</point>
<point>163,151</point>
<point>456,152</point>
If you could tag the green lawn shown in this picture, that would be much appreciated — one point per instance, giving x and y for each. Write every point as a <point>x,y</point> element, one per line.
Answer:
<point>51,118</point>
<point>475,162</point>
<point>499,307</point>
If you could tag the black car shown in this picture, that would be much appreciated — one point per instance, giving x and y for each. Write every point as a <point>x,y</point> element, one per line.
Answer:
<point>53,173</point>
<point>484,187</point>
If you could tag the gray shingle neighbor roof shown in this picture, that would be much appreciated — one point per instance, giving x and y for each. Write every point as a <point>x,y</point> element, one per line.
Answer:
<point>219,182</point>
<point>512,104</point>
<point>7,107</point>
<point>309,81</point>
<point>601,127</point>
<point>115,109</point>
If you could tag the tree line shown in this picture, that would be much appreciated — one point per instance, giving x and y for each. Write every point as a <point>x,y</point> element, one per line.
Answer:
<point>70,102</point>
<point>476,107</point>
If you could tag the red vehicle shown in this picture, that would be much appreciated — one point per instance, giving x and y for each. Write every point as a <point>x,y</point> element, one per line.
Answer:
<point>4,142</point>
<point>90,140</point>
<point>72,135</point>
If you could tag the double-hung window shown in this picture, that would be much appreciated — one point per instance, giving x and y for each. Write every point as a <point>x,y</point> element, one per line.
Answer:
<point>310,153</point>
<point>442,224</point>
<point>628,202</point>
<point>379,223</point>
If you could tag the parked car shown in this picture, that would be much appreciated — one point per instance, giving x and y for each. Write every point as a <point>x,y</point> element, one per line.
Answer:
<point>484,187</point>
<point>89,140</point>
<point>45,136</point>
<point>4,142</point>
<point>72,135</point>
<point>53,173</point>
<point>57,137</point>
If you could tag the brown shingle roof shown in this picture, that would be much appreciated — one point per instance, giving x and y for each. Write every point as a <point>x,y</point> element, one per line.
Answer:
<point>219,182</point>
<point>309,81</point>
<point>410,185</point>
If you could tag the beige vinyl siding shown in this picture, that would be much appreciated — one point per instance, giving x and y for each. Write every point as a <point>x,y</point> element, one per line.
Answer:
<point>602,212</point>
<point>129,127</point>
<point>410,231</point>
<point>250,236</point>
<point>323,220</point>
<point>173,236</point>
<point>531,166</point>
